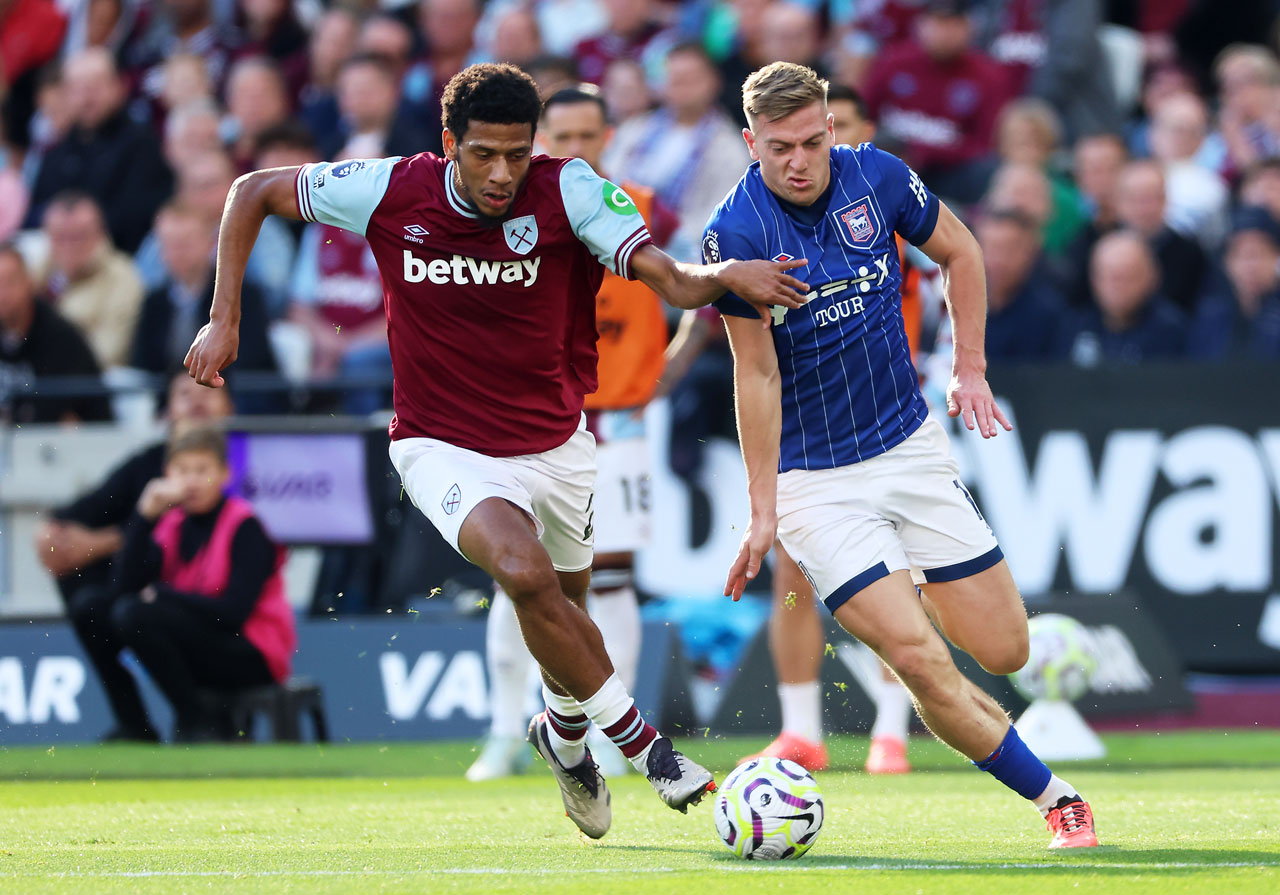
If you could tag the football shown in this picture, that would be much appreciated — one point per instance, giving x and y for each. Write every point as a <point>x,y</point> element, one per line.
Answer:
<point>1062,659</point>
<point>769,809</point>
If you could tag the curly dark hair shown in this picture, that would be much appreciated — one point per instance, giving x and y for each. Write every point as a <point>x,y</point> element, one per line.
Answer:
<point>495,93</point>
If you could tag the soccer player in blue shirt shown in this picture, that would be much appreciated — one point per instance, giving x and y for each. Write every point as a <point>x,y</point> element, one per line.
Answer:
<point>843,463</point>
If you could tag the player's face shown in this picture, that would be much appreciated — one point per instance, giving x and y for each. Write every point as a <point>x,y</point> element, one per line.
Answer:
<point>794,153</point>
<point>847,126</point>
<point>575,130</point>
<point>492,162</point>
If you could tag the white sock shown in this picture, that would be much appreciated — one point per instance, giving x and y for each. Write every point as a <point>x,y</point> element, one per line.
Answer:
<point>893,710</point>
<point>607,706</point>
<point>617,615</point>
<point>570,752</point>
<point>1056,789</point>
<point>509,666</point>
<point>802,709</point>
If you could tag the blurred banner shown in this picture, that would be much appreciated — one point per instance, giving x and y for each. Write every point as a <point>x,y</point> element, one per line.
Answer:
<point>408,678</point>
<point>1161,481</point>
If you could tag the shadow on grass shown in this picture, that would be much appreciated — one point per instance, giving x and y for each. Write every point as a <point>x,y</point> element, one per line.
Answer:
<point>1090,860</point>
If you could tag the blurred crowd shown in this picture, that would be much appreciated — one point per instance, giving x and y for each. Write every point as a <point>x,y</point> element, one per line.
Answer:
<point>1119,161</point>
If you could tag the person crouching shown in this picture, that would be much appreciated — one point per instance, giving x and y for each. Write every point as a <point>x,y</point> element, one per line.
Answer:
<point>202,600</point>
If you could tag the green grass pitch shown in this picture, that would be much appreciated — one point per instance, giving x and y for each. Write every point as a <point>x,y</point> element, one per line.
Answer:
<point>1185,812</point>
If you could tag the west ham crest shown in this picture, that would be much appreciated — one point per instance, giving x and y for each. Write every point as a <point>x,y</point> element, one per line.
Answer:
<point>859,225</point>
<point>521,233</point>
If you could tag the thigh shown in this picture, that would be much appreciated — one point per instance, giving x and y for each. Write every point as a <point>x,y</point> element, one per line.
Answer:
<point>887,615</point>
<point>983,615</point>
<point>840,542</point>
<point>562,485</point>
<point>942,530</point>
<point>447,483</point>
<point>214,657</point>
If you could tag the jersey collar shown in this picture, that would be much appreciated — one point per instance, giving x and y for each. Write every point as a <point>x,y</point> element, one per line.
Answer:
<point>456,202</point>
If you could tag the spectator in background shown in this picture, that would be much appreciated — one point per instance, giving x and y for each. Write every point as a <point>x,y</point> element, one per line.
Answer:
<point>1024,188</point>
<point>91,283</point>
<point>201,598</point>
<point>1029,132</point>
<point>625,91</point>
<point>271,28</point>
<point>687,150</point>
<point>1239,317</point>
<point>13,192</point>
<point>369,100</point>
<point>80,542</point>
<point>192,130</point>
<point>257,98</point>
<point>48,126</point>
<point>1140,207</point>
<point>30,35</point>
<point>1130,322</point>
<point>1196,197</point>
<point>37,342</point>
<point>515,36</point>
<point>1097,163</point>
<point>336,297</point>
<point>113,159</point>
<point>1050,50</point>
<point>172,313</point>
<point>180,26</point>
<point>632,31</point>
<point>203,184</point>
<point>552,73</point>
<point>936,99</point>
<point>1248,77</point>
<point>566,23</point>
<point>744,54</point>
<point>186,80</point>
<point>1025,313</point>
<point>1261,186</point>
<point>333,40</point>
<point>448,29</point>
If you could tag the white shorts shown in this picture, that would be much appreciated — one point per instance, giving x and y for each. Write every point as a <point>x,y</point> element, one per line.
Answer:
<point>904,509</point>
<point>446,483</point>
<point>622,481</point>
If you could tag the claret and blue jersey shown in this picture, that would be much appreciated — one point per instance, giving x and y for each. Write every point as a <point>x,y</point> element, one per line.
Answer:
<point>849,389</point>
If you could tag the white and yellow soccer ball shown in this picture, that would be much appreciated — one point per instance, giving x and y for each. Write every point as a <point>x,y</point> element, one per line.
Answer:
<point>1062,659</point>
<point>769,809</point>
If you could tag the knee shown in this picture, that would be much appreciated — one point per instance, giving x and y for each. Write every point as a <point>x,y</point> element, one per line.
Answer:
<point>525,578</point>
<point>1005,655</point>
<point>924,666</point>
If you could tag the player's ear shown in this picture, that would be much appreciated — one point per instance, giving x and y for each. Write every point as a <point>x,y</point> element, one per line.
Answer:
<point>751,143</point>
<point>450,144</point>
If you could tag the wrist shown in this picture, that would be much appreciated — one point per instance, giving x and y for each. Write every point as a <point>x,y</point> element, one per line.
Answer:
<point>968,360</point>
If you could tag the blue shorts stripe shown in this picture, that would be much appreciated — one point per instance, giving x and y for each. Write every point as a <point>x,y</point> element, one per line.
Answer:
<point>845,592</point>
<point>964,569</point>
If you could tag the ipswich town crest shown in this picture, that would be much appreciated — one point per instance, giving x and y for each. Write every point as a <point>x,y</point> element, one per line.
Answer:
<point>521,233</point>
<point>859,225</point>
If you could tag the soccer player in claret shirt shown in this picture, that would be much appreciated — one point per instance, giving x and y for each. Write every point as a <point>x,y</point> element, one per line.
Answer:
<point>490,260</point>
<point>844,464</point>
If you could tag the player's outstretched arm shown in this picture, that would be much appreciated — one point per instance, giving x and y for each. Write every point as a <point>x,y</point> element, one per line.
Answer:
<point>757,390</point>
<point>681,285</point>
<point>964,284</point>
<point>252,197</point>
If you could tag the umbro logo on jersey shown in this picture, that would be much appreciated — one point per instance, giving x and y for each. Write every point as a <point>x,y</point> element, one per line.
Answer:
<point>464,271</point>
<point>415,232</point>
<point>783,256</point>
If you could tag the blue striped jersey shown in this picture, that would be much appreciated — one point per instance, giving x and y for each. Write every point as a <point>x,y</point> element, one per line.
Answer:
<point>849,389</point>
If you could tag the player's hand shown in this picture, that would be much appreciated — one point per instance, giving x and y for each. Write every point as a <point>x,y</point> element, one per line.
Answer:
<point>756,542</point>
<point>969,397</point>
<point>214,349</point>
<point>766,284</point>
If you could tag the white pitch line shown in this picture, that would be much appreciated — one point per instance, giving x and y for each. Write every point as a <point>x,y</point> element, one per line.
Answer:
<point>745,867</point>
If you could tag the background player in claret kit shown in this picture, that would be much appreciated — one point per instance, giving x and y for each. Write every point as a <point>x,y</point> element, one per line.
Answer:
<point>843,463</point>
<point>795,630</point>
<point>490,261</point>
<point>633,338</point>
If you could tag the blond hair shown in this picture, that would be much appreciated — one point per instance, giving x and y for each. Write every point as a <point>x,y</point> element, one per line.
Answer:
<point>781,88</point>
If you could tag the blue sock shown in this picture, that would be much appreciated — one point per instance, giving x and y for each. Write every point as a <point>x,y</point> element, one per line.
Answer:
<point>1016,766</point>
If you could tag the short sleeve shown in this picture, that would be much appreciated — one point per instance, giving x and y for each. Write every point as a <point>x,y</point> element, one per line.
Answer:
<point>916,206</point>
<point>719,242</point>
<point>603,216</point>
<point>343,194</point>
